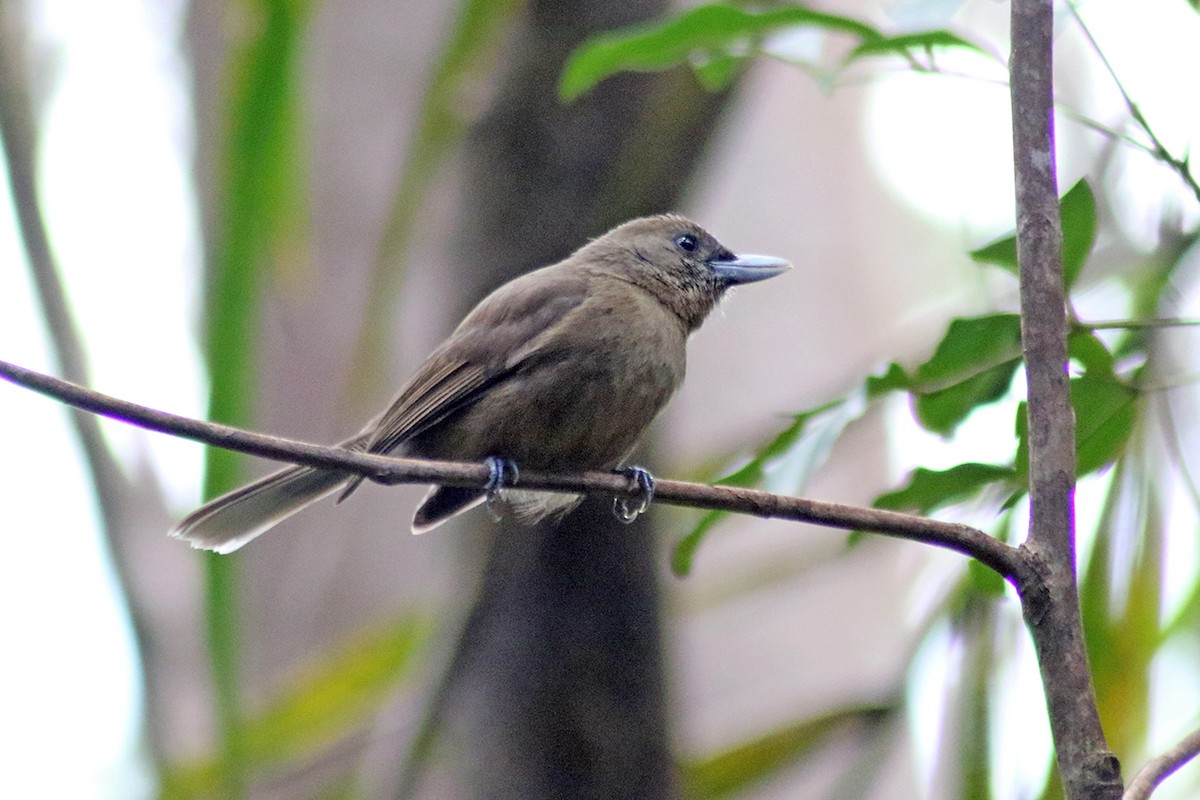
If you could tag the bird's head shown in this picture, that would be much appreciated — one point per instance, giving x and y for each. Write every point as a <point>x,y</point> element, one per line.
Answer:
<point>679,262</point>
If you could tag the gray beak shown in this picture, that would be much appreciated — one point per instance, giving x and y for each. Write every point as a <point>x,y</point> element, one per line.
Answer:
<point>747,269</point>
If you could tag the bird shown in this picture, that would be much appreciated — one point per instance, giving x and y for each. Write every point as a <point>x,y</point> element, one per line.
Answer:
<point>560,369</point>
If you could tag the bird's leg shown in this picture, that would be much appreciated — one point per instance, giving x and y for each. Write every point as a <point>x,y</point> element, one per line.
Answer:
<point>627,509</point>
<point>501,472</point>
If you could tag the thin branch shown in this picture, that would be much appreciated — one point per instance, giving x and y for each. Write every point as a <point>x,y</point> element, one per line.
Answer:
<point>1154,771</point>
<point>18,135</point>
<point>1004,559</point>
<point>1179,165</point>
<point>116,497</point>
<point>1051,604</point>
<point>1135,324</point>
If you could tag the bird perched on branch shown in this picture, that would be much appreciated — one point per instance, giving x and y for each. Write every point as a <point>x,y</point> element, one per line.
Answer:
<point>561,369</point>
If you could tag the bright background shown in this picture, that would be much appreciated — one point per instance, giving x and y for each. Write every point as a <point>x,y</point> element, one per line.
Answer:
<point>114,170</point>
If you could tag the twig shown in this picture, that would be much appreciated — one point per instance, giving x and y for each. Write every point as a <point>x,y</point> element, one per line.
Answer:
<point>1159,150</point>
<point>1004,559</point>
<point>1051,606</point>
<point>1154,771</point>
<point>19,145</point>
<point>116,496</point>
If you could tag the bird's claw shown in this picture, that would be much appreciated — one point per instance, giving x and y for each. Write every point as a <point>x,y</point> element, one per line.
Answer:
<point>502,472</point>
<point>627,509</point>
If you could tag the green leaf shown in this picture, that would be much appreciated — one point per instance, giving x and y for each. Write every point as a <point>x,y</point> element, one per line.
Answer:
<point>258,198</point>
<point>1105,407</point>
<point>904,44</point>
<point>718,71</point>
<point>721,32</point>
<point>984,580</point>
<point>731,773</point>
<point>972,365</point>
<point>970,717</point>
<point>1121,601</point>
<point>320,704</point>
<point>895,378</point>
<point>1077,211</point>
<point>1000,253</point>
<point>1105,412</point>
<point>1092,354</point>
<point>337,692</point>
<point>796,452</point>
<point>928,490</point>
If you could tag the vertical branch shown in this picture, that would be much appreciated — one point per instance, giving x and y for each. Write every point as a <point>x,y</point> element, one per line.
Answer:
<point>125,509</point>
<point>1049,597</point>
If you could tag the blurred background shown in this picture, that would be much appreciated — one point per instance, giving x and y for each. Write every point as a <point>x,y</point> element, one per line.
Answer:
<point>268,211</point>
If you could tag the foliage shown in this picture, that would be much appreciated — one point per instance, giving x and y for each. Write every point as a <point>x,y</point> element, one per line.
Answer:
<point>323,702</point>
<point>742,767</point>
<point>973,366</point>
<point>717,40</point>
<point>258,187</point>
<point>1117,371</point>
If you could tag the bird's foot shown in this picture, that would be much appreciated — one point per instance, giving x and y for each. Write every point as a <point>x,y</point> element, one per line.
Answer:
<point>502,472</point>
<point>627,509</point>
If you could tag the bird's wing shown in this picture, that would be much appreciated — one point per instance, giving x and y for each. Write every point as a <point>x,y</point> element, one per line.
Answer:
<point>494,340</point>
<point>490,343</point>
<point>439,388</point>
<point>443,384</point>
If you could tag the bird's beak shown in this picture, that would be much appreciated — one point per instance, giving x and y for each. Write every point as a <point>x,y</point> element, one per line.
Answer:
<point>747,269</point>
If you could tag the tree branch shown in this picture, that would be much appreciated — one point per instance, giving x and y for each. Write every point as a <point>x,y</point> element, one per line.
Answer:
<point>19,139</point>
<point>1156,769</point>
<point>1006,560</point>
<point>123,507</point>
<point>1051,602</point>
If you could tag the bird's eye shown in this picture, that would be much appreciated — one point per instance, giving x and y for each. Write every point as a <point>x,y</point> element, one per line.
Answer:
<point>686,242</point>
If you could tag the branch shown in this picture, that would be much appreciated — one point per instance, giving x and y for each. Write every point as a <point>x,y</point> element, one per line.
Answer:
<point>1156,769</point>
<point>1181,166</point>
<point>1006,560</point>
<point>18,137</point>
<point>116,496</point>
<point>1051,603</point>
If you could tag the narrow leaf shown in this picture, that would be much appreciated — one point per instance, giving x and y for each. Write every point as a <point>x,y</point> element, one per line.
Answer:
<point>1078,212</point>
<point>730,773</point>
<point>906,43</point>
<point>971,730</point>
<point>694,36</point>
<point>257,197</point>
<point>798,450</point>
<point>332,696</point>
<point>928,490</point>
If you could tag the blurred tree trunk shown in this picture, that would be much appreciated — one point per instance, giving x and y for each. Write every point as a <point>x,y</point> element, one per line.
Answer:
<point>560,687</point>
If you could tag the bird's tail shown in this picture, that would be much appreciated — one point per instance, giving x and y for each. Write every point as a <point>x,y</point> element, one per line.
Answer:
<point>228,522</point>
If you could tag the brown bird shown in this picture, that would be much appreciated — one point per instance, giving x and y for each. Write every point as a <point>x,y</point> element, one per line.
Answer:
<point>561,369</point>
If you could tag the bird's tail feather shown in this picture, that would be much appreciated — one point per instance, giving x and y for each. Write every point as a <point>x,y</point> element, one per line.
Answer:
<point>228,522</point>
